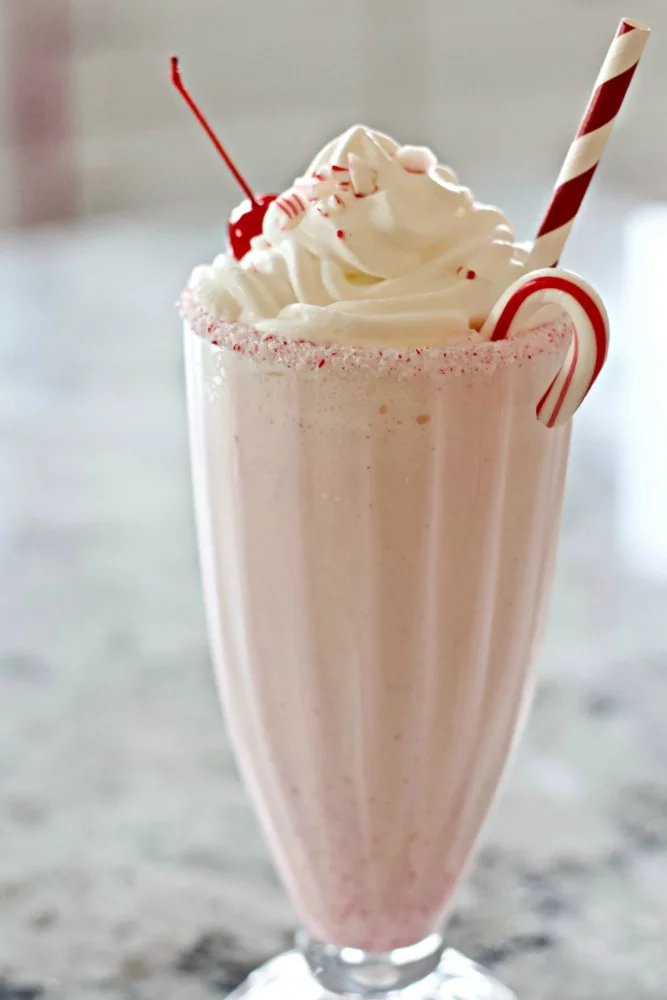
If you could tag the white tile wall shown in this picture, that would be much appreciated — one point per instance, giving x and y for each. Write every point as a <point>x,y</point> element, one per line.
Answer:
<point>5,121</point>
<point>177,164</point>
<point>119,25</point>
<point>7,185</point>
<point>496,85</point>
<point>121,91</point>
<point>515,86</point>
<point>7,179</point>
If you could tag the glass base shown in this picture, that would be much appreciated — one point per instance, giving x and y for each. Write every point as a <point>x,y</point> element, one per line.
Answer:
<point>293,976</point>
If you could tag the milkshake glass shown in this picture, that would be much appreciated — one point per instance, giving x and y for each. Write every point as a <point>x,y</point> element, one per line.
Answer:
<point>377,528</point>
<point>376,555</point>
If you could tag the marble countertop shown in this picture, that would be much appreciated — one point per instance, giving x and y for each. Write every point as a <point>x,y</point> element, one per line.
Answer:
<point>131,867</point>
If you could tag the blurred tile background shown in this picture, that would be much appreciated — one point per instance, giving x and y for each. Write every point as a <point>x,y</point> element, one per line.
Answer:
<point>89,124</point>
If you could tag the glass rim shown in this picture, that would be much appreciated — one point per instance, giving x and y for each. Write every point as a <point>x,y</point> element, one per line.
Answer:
<point>478,356</point>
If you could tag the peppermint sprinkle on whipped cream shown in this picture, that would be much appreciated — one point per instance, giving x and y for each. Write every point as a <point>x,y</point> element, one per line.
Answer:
<point>377,245</point>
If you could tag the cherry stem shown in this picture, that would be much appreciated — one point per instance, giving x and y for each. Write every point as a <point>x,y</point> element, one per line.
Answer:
<point>180,87</point>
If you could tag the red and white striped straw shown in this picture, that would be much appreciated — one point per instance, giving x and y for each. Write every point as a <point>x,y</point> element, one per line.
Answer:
<point>589,143</point>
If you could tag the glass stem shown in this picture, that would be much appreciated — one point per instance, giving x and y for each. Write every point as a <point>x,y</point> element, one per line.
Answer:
<point>341,969</point>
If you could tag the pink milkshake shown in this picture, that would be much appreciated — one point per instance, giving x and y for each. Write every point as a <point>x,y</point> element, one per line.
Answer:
<point>378,508</point>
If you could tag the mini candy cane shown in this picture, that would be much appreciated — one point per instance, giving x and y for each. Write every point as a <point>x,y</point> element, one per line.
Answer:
<point>590,341</point>
<point>293,206</point>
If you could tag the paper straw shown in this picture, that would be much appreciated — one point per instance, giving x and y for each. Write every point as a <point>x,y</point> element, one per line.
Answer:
<point>589,143</point>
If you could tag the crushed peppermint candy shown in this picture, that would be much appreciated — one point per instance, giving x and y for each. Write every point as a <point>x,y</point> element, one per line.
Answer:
<point>303,355</point>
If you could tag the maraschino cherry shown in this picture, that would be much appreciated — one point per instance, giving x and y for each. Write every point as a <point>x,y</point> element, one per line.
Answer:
<point>247,221</point>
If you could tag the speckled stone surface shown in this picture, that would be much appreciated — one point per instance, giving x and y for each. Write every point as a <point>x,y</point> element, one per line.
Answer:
<point>131,867</point>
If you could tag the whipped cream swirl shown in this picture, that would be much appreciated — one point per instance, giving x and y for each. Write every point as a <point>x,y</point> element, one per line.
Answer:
<point>377,245</point>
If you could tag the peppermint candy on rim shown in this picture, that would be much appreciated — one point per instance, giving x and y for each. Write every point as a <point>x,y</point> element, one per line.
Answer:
<point>590,339</point>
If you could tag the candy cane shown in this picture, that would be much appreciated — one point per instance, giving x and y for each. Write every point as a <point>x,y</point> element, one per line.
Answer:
<point>590,340</point>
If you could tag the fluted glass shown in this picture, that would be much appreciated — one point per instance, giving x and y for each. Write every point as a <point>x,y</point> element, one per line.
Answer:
<point>376,554</point>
